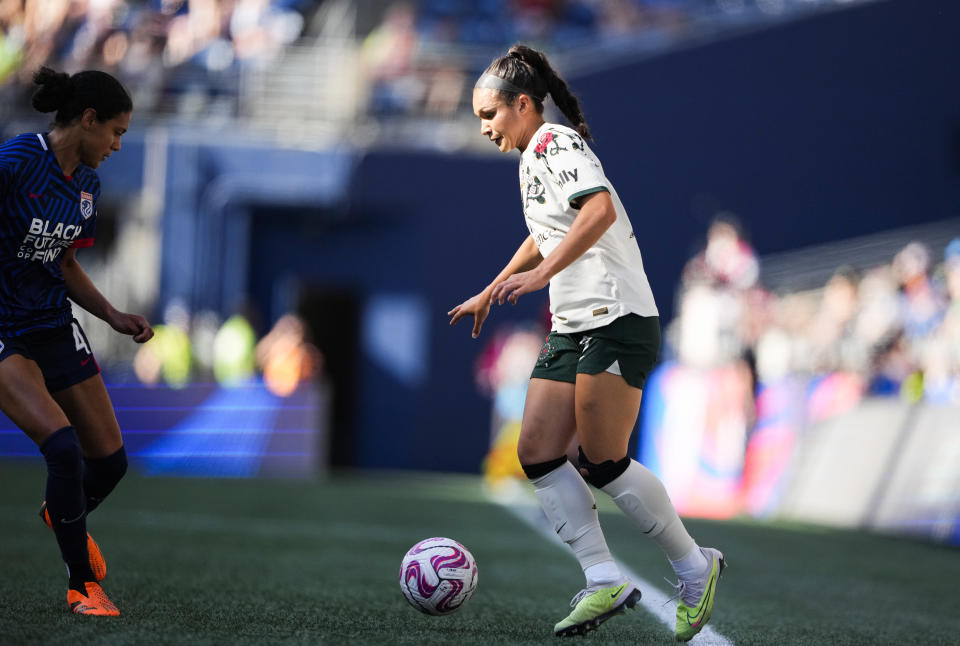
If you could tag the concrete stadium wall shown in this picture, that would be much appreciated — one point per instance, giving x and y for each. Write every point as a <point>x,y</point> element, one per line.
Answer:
<point>886,465</point>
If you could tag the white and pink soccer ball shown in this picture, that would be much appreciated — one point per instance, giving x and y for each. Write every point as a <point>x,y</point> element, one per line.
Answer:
<point>438,576</point>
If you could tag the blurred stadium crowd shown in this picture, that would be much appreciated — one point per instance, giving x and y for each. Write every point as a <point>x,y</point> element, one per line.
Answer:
<point>202,348</point>
<point>894,327</point>
<point>158,48</point>
<point>192,56</point>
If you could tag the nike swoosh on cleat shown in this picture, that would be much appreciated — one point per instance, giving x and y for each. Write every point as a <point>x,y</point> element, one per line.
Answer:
<point>703,606</point>
<point>616,594</point>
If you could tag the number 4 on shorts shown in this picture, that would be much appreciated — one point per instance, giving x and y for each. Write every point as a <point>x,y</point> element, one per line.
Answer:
<point>78,338</point>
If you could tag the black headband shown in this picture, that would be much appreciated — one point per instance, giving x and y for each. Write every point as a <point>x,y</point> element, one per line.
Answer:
<point>494,82</point>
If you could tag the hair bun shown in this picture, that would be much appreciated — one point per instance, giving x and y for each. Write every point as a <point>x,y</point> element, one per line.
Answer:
<point>55,89</point>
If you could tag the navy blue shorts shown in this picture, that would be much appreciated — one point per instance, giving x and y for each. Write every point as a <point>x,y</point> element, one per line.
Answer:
<point>63,354</point>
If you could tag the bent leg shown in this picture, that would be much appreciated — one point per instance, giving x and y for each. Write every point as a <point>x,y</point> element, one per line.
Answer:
<point>548,421</point>
<point>88,406</point>
<point>25,400</point>
<point>547,429</point>
<point>65,503</point>
<point>606,411</point>
<point>607,408</point>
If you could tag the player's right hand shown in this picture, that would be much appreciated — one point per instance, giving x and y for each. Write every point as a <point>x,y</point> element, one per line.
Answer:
<point>479,306</point>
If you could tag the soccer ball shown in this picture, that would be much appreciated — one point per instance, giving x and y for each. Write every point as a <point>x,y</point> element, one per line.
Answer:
<point>438,576</point>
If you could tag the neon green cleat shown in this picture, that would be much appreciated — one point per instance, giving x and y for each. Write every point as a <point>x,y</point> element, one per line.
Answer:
<point>696,597</point>
<point>593,607</point>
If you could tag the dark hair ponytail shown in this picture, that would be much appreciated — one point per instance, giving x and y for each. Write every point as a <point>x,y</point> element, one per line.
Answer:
<point>69,96</point>
<point>529,69</point>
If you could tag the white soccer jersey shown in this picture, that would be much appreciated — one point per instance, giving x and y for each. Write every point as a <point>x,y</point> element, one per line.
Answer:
<point>608,280</point>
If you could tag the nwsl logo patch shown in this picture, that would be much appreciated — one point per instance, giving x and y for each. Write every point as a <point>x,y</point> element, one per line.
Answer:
<point>86,205</point>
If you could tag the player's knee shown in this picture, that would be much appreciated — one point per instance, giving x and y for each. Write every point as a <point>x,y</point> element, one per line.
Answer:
<point>115,466</point>
<point>602,474</point>
<point>540,469</point>
<point>63,454</point>
<point>587,407</point>
<point>530,451</point>
<point>104,473</point>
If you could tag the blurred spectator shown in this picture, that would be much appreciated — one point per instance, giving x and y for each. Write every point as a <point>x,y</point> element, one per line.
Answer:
<point>940,356</point>
<point>259,30</point>
<point>167,356</point>
<point>895,331</point>
<point>12,37</point>
<point>716,290</point>
<point>286,357</point>
<point>387,54</point>
<point>831,330</point>
<point>192,33</point>
<point>922,307</point>
<point>726,260</point>
<point>446,87</point>
<point>233,351</point>
<point>535,20</point>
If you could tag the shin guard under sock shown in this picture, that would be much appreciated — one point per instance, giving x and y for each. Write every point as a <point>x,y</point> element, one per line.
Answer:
<point>65,501</point>
<point>572,510</point>
<point>101,475</point>
<point>641,496</point>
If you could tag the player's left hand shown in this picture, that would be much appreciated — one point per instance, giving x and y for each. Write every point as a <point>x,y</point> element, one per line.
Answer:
<point>517,285</point>
<point>134,325</point>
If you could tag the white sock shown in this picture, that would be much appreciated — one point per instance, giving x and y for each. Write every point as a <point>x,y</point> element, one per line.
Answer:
<point>568,503</point>
<point>691,566</point>
<point>603,574</point>
<point>641,496</point>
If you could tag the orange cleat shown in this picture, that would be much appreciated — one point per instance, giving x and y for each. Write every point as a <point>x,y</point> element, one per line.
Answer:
<point>94,603</point>
<point>97,562</point>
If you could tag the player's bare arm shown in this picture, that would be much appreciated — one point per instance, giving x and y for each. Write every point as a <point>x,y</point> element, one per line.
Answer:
<point>596,216</point>
<point>84,293</point>
<point>526,258</point>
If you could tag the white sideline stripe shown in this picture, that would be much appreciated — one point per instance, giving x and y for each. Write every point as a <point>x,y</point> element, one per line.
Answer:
<point>656,602</point>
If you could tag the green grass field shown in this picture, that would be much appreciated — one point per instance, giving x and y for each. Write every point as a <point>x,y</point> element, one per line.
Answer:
<point>315,562</point>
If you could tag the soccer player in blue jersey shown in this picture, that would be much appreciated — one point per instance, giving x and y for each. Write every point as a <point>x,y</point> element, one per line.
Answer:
<point>50,384</point>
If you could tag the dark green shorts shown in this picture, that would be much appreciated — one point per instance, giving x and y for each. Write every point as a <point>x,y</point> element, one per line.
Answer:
<point>626,347</point>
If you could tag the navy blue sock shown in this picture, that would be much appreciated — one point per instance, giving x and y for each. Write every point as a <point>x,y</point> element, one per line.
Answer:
<point>102,475</point>
<point>66,504</point>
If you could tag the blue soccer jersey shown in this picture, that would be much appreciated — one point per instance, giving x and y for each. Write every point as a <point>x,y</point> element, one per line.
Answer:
<point>42,212</point>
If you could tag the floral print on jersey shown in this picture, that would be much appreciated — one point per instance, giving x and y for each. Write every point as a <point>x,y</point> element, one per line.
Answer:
<point>534,191</point>
<point>548,144</point>
<point>552,167</point>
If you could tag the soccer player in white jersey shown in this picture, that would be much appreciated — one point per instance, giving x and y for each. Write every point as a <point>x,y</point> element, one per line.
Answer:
<point>50,384</point>
<point>589,377</point>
